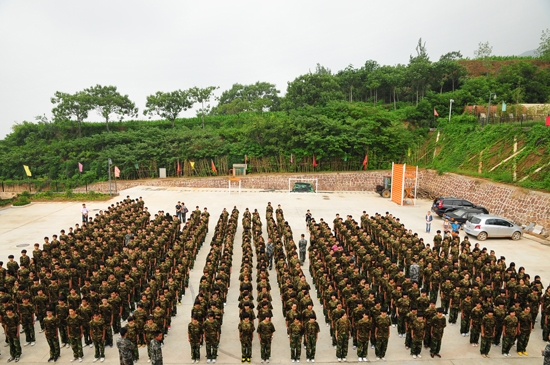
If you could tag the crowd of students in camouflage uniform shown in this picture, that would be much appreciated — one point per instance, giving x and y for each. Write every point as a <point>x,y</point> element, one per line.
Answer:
<point>208,308</point>
<point>377,274</point>
<point>122,265</point>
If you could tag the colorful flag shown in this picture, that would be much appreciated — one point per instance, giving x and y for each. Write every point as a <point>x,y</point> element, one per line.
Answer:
<point>435,113</point>
<point>80,167</point>
<point>314,161</point>
<point>117,172</point>
<point>179,167</point>
<point>192,163</point>
<point>213,167</point>
<point>366,161</point>
<point>291,158</point>
<point>27,170</point>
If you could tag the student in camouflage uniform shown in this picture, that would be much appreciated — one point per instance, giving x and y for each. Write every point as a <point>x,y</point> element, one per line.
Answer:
<point>382,334</point>
<point>438,324</point>
<point>311,334</point>
<point>265,335</point>
<point>211,329</point>
<point>132,335</point>
<point>488,330</point>
<point>51,325</point>
<point>150,329</point>
<point>466,307</point>
<point>246,330</point>
<point>510,331</point>
<point>418,328</point>
<point>156,349</point>
<point>26,310</point>
<point>10,321</point>
<point>363,328</point>
<point>525,327</point>
<point>194,335</point>
<point>62,312</point>
<point>97,334</point>
<point>500,314</point>
<point>475,323</point>
<point>74,331</point>
<point>295,331</point>
<point>125,348</point>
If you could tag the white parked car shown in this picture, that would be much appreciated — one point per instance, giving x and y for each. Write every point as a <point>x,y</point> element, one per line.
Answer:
<point>485,226</point>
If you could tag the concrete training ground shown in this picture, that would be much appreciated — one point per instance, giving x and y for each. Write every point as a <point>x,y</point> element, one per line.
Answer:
<point>21,227</point>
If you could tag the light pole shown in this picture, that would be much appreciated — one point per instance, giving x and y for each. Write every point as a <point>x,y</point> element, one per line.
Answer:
<point>494,96</point>
<point>450,108</point>
<point>110,162</point>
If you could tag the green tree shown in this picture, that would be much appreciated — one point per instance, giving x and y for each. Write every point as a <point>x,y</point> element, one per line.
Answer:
<point>484,50</point>
<point>258,97</point>
<point>202,95</point>
<point>313,89</point>
<point>68,106</point>
<point>106,100</point>
<point>419,70</point>
<point>168,105</point>
<point>544,48</point>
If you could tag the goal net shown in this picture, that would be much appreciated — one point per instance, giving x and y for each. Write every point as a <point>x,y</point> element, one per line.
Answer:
<point>302,185</point>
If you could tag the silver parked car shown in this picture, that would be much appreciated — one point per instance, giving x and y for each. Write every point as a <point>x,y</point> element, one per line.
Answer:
<point>486,225</point>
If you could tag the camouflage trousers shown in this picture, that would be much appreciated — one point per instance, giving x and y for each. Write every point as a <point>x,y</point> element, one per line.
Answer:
<point>427,339</point>
<point>99,348</point>
<point>523,341</point>
<point>15,346</point>
<point>474,334</point>
<point>445,304</point>
<point>76,345</point>
<point>295,347</point>
<point>453,315</point>
<point>498,334</point>
<point>211,349</point>
<point>342,346</point>
<point>135,352</point>
<point>485,346</point>
<point>246,349</point>
<point>195,350</point>
<point>29,332</point>
<point>465,324</point>
<point>507,343</point>
<point>362,348</point>
<point>435,345</point>
<point>53,343</point>
<point>265,349</point>
<point>416,347</point>
<point>381,346</point>
<point>108,336</point>
<point>311,347</point>
<point>87,338</point>
<point>116,324</point>
<point>545,332</point>
<point>63,333</point>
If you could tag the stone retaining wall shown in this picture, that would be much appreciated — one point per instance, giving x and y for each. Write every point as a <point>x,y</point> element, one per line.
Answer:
<point>521,205</point>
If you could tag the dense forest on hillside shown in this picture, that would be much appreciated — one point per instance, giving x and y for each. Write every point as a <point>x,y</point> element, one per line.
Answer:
<point>326,121</point>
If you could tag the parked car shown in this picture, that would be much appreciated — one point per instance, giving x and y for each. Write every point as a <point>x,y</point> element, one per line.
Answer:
<point>302,187</point>
<point>485,225</point>
<point>443,205</point>
<point>461,215</point>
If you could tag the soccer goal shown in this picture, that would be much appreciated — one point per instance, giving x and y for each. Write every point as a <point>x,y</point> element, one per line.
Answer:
<point>298,185</point>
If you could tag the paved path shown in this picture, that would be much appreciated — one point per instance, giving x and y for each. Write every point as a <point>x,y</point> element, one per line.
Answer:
<point>29,224</point>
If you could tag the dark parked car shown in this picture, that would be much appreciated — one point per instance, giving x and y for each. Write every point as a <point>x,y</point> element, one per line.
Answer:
<point>302,187</point>
<point>447,204</point>
<point>461,215</point>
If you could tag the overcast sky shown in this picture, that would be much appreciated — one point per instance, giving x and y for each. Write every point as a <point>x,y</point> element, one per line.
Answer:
<point>147,46</point>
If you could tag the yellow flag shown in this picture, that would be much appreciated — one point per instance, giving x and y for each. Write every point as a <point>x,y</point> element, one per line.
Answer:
<point>192,163</point>
<point>27,170</point>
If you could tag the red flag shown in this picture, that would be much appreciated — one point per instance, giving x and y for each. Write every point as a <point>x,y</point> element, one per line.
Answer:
<point>366,161</point>
<point>117,172</point>
<point>291,158</point>
<point>435,113</point>
<point>80,167</point>
<point>213,167</point>
<point>179,167</point>
<point>314,161</point>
